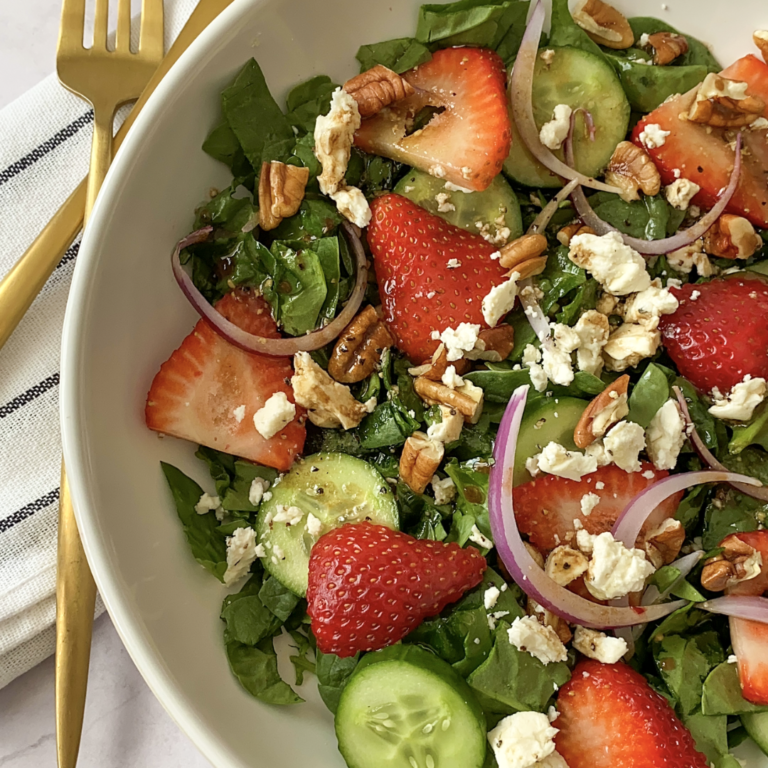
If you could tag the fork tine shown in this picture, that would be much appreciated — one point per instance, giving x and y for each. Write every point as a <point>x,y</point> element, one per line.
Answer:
<point>100,24</point>
<point>123,43</point>
<point>151,38</point>
<point>72,25</point>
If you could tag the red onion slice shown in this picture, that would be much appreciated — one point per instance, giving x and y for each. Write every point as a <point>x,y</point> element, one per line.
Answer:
<point>655,247</point>
<point>519,563</point>
<point>284,347</point>
<point>548,211</point>
<point>740,607</point>
<point>630,522</point>
<point>521,97</point>
<point>707,456</point>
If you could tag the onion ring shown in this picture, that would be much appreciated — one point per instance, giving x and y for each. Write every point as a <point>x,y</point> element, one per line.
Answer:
<point>739,607</point>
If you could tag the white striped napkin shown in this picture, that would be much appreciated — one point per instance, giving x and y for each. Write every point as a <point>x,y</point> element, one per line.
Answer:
<point>44,153</point>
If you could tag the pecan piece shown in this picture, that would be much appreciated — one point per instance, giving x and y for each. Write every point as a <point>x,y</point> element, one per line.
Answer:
<point>377,88</point>
<point>439,365</point>
<point>494,344</point>
<point>359,348</point>
<point>565,564</point>
<point>419,460</point>
<point>760,36</point>
<point>281,190</point>
<point>724,103</point>
<point>631,169</point>
<point>732,237</point>
<point>609,407</point>
<point>466,399</point>
<point>519,251</point>
<point>738,562</point>
<point>604,24</point>
<point>549,619</point>
<point>569,231</point>
<point>667,46</point>
<point>662,545</point>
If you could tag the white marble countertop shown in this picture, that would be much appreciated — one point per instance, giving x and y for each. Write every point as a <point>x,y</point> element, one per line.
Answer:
<point>125,727</point>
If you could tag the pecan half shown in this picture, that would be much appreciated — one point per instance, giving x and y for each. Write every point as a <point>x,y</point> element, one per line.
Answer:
<point>522,250</point>
<point>494,344</point>
<point>662,545</point>
<point>738,562</point>
<point>569,231</point>
<point>631,169</point>
<point>281,190</point>
<point>437,367</point>
<point>724,103</point>
<point>377,88</point>
<point>419,460</point>
<point>760,36</point>
<point>466,399</point>
<point>667,46</point>
<point>565,564</point>
<point>359,348</point>
<point>609,407</point>
<point>732,237</point>
<point>604,24</point>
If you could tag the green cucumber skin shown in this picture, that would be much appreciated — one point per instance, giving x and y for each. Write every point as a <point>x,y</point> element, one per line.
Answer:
<point>756,725</point>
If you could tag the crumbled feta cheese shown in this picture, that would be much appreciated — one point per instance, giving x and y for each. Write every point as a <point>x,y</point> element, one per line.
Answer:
<point>553,133</point>
<point>477,537</point>
<point>449,429</point>
<point>653,137</point>
<point>453,264</point>
<point>547,56</point>
<point>256,491</point>
<point>290,515</point>
<point>616,266</point>
<point>665,436</point>
<point>241,552</point>
<point>500,300</point>
<point>554,459</point>
<point>267,496</point>
<point>352,205</point>
<point>686,258</point>
<point>334,136</point>
<point>593,330</point>
<point>443,205</point>
<point>452,379</point>
<point>588,502</point>
<point>531,359</point>
<point>278,552</point>
<point>556,354</point>
<point>680,193</point>
<point>628,345</point>
<point>614,571</point>
<point>456,188</point>
<point>624,443</point>
<point>459,340</point>
<point>445,490</point>
<point>646,307</point>
<point>598,645</point>
<point>276,414</point>
<point>530,636</point>
<point>314,526</point>
<point>732,659</point>
<point>740,403</point>
<point>716,87</point>
<point>494,617</point>
<point>490,597</point>
<point>760,124</point>
<point>522,739</point>
<point>597,452</point>
<point>611,414</point>
<point>207,503</point>
<point>239,413</point>
<point>644,41</point>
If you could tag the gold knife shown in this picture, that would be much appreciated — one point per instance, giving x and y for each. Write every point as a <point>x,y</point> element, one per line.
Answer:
<point>21,285</point>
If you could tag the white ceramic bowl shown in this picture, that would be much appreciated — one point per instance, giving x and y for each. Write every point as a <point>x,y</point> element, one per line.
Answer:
<point>126,315</point>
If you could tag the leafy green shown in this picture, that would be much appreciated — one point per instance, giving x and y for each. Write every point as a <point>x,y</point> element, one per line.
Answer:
<point>255,666</point>
<point>371,173</point>
<point>681,622</point>
<point>698,53</point>
<point>316,218</point>
<point>566,32</point>
<point>754,433</point>
<point>583,299</point>
<point>648,395</point>
<point>498,386</point>
<point>255,118</point>
<point>710,735</point>
<point>510,680</point>
<point>208,545</point>
<point>300,660</point>
<point>710,429</point>
<point>221,466</point>
<point>222,145</point>
<point>333,674</point>
<point>229,214</point>
<point>471,500</point>
<point>248,620</point>
<point>279,600</point>
<point>236,497</point>
<point>689,511</point>
<point>647,219</point>
<point>560,277</point>
<point>669,577</point>
<point>722,693</point>
<point>419,515</point>
<point>390,424</point>
<point>399,55</point>
<point>308,100</point>
<point>476,440</point>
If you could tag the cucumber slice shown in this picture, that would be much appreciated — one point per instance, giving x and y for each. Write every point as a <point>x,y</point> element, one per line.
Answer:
<point>492,209</point>
<point>554,419</point>
<point>336,489</point>
<point>579,79</point>
<point>756,725</point>
<point>405,708</point>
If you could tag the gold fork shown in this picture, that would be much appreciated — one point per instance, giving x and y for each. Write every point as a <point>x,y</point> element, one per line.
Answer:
<point>106,79</point>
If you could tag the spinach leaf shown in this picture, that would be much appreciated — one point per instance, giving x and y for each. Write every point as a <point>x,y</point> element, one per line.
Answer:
<point>420,517</point>
<point>229,214</point>
<point>584,298</point>
<point>390,424</point>
<point>681,622</point>
<point>584,384</point>
<point>300,660</point>
<point>560,277</point>
<point>709,429</point>
<point>514,681</point>
<point>406,391</point>
<point>279,600</point>
<point>698,53</point>
<point>316,218</point>
<point>566,32</point>
<point>320,440</point>
<point>255,118</point>
<point>689,511</point>
<point>498,386</point>
<point>333,674</point>
<point>399,55</point>
<point>248,620</point>
<point>372,174</point>
<point>327,250</point>
<point>222,145</point>
<point>308,100</point>
<point>646,219</point>
<point>255,666</point>
<point>524,335</point>
<point>471,501</point>
<point>208,545</point>
<point>722,693</point>
<point>648,395</point>
<point>754,433</point>
<point>670,577</point>
<point>221,466</point>
<point>236,496</point>
<point>711,737</point>
<point>475,440</point>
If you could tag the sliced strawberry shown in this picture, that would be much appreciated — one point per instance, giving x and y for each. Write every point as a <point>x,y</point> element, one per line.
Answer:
<point>721,335</point>
<point>369,586</point>
<point>611,718</point>
<point>465,144</point>
<point>420,293</point>
<point>750,638</point>
<point>704,155</point>
<point>200,391</point>
<point>545,508</point>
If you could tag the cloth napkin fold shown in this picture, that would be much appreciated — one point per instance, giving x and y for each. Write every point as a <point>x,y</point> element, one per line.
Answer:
<point>44,153</point>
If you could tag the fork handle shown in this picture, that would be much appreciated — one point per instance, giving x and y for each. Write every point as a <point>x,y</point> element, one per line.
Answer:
<point>101,154</point>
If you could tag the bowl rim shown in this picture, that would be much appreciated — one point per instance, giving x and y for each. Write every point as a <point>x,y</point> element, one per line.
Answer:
<point>136,640</point>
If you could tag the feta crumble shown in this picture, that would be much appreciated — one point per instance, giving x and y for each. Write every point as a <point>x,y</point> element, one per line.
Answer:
<point>740,403</point>
<point>241,552</point>
<point>617,267</point>
<point>207,503</point>
<point>449,429</point>
<point>680,193</point>
<point>443,203</point>
<point>554,132</point>
<point>665,436</point>
<point>528,635</point>
<point>500,300</point>
<point>276,414</point>
<point>256,491</point>
<point>554,459</point>
<point>490,597</point>
<point>453,264</point>
<point>445,490</point>
<point>588,502</point>
<point>653,137</point>
<point>593,330</point>
<point>628,345</point>
<point>624,443</point>
<point>477,537</point>
<point>451,379</point>
<point>522,740</point>
<point>556,354</point>
<point>598,645</point>
<point>531,360</point>
<point>314,526</point>
<point>459,340</point>
<point>646,307</point>
<point>289,515</point>
<point>239,413</point>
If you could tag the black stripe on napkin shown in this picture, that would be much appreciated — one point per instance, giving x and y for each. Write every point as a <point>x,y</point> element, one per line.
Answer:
<point>31,394</point>
<point>43,149</point>
<point>70,255</point>
<point>22,514</point>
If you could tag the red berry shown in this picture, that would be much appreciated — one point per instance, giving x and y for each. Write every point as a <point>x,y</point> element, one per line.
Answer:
<point>369,586</point>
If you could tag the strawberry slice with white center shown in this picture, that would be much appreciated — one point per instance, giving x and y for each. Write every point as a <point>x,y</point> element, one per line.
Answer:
<point>469,140</point>
<point>209,390</point>
<point>750,638</point>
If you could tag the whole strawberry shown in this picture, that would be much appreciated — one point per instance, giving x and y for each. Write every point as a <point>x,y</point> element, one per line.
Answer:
<point>611,718</point>
<point>370,586</point>
<point>432,275</point>
<point>719,333</point>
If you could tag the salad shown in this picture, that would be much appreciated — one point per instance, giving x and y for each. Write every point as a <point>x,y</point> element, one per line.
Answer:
<point>480,379</point>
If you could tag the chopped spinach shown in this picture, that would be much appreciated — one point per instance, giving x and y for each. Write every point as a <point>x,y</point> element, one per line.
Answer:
<point>333,674</point>
<point>722,693</point>
<point>399,55</point>
<point>307,101</point>
<point>648,395</point>
<point>248,620</point>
